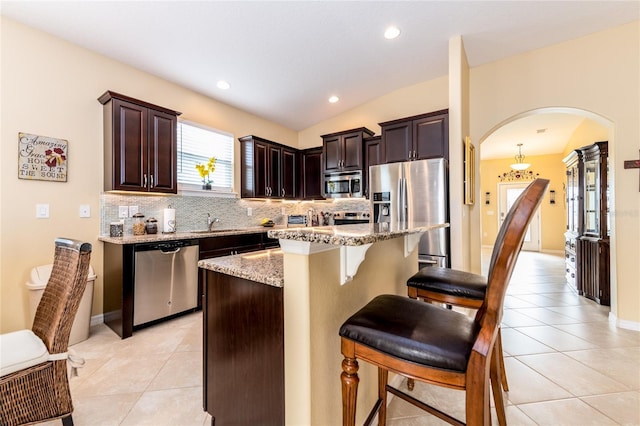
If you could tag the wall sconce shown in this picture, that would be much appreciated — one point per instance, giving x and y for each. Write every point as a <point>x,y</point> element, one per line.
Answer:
<point>552,196</point>
<point>487,198</point>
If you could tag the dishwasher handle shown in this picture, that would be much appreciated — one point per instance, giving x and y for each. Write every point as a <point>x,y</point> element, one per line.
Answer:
<point>169,250</point>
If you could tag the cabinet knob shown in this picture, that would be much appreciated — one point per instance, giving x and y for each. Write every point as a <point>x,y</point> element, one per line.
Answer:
<point>283,192</point>
<point>144,180</point>
<point>151,181</point>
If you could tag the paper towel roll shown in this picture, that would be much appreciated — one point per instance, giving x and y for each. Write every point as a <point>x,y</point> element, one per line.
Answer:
<point>169,223</point>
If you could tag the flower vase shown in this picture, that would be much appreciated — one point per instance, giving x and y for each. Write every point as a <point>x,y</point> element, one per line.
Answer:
<point>206,186</point>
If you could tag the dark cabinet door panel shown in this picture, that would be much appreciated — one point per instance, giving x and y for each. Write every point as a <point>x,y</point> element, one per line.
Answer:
<point>243,326</point>
<point>352,151</point>
<point>398,141</point>
<point>430,135</point>
<point>332,153</point>
<point>311,174</point>
<point>130,146</point>
<point>163,152</point>
<point>288,187</point>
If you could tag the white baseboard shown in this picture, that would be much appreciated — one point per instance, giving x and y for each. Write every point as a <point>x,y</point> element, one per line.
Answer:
<point>97,319</point>
<point>626,324</point>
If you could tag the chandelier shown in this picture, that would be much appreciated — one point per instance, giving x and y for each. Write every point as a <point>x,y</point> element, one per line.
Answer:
<point>520,164</point>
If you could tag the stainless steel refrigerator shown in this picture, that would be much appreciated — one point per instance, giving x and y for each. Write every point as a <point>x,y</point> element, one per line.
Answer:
<point>414,191</point>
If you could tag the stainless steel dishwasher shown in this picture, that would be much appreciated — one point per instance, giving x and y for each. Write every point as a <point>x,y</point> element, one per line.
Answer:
<point>165,280</point>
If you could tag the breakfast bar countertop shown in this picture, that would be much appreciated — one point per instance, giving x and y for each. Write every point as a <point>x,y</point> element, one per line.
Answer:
<point>352,235</point>
<point>264,266</point>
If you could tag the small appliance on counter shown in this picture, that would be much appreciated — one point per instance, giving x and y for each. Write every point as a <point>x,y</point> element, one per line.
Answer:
<point>297,220</point>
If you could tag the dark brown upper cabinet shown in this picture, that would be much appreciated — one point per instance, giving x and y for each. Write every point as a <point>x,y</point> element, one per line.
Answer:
<point>342,151</point>
<point>140,149</point>
<point>311,174</point>
<point>373,155</point>
<point>416,138</point>
<point>268,169</point>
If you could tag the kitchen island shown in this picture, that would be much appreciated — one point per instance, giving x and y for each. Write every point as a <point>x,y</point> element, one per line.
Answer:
<point>309,287</point>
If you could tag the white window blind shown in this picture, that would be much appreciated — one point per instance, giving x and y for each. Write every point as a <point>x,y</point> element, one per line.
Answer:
<point>196,144</point>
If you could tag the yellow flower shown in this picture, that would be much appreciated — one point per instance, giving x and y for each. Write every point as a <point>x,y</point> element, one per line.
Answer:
<point>205,169</point>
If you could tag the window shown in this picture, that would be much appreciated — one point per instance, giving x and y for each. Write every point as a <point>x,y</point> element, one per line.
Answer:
<point>196,144</point>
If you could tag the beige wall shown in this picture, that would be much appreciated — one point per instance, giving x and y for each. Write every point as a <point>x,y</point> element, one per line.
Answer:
<point>50,88</point>
<point>412,100</point>
<point>552,216</point>
<point>598,75</point>
<point>585,134</point>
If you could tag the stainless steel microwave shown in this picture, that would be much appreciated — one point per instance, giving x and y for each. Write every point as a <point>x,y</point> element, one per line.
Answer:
<point>343,184</point>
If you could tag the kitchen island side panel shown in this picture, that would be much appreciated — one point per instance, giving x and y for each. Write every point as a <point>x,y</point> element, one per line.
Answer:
<point>243,351</point>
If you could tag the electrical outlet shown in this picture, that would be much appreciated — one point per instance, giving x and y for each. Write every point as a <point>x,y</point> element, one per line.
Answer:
<point>123,212</point>
<point>42,211</point>
<point>133,210</point>
<point>249,211</point>
<point>283,211</point>
<point>85,210</point>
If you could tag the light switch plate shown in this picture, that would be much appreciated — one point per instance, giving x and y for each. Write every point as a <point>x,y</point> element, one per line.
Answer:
<point>123,212</point>
<point>249,211</point>
<point>42,211</point>
<point>85,210</point>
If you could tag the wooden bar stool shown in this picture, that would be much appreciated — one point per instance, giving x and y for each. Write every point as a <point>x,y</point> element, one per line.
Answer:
<point>454,288</point>
<point>435,345</point>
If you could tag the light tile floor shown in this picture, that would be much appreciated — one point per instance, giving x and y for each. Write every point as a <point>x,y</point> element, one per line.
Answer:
<point>565,363</point>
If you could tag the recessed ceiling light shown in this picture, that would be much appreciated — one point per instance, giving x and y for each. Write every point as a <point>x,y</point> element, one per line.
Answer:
<point>333,99</point>
<point>391,33</point>
<point>223,85</point>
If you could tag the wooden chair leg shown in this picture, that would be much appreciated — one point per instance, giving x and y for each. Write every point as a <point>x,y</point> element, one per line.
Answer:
<point>496,386</point>
<point>67,420</point>
<point>498,349</point>
<point>349,378</point>
<point>383,377</point>
<point>478,408</point>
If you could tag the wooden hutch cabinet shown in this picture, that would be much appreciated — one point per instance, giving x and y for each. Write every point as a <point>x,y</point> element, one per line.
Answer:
<point>593,244</point>
<point>587,236</point>
<point>574,190</point>
<point>140,149</point>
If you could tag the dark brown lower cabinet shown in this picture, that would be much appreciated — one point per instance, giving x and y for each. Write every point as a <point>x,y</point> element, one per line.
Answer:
<point>243,351</point>
<point>594,269</point>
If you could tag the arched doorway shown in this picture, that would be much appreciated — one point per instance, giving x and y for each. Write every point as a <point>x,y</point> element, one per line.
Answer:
<point>584,128</point>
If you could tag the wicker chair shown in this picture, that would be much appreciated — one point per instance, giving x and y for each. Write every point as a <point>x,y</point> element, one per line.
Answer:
<point>34,383</point>
<point>435,345</point>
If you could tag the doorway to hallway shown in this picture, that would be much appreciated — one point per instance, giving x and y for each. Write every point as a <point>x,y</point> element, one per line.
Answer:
<point>508,192</point>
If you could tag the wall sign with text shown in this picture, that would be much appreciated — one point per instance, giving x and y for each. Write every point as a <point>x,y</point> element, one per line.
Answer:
<point>42,158</point>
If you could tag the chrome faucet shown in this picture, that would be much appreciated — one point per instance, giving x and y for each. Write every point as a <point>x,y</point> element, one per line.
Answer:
<point>211,221</point>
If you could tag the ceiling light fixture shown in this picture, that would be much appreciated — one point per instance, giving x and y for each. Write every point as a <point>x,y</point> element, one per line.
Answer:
<point>391,33</point>
<point>520,164</point>
<point>333,99</point>
<point>223,85</point>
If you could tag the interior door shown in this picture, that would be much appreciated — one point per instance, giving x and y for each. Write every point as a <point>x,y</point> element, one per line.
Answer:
<point>507,195</point>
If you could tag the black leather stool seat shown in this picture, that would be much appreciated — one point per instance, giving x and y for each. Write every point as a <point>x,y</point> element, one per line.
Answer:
<point>415,331</point>
<point>450,281</point>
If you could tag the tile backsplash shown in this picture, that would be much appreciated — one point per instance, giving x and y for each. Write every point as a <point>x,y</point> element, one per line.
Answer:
<point>191,211</point>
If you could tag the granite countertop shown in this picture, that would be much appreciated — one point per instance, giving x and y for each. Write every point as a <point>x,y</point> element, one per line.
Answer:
<point>351,235</point>
<point>264,266</point>
<point>186,235</point>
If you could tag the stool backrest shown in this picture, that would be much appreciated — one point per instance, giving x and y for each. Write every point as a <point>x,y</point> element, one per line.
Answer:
<point>61,297</point>
<point>505,253</point>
